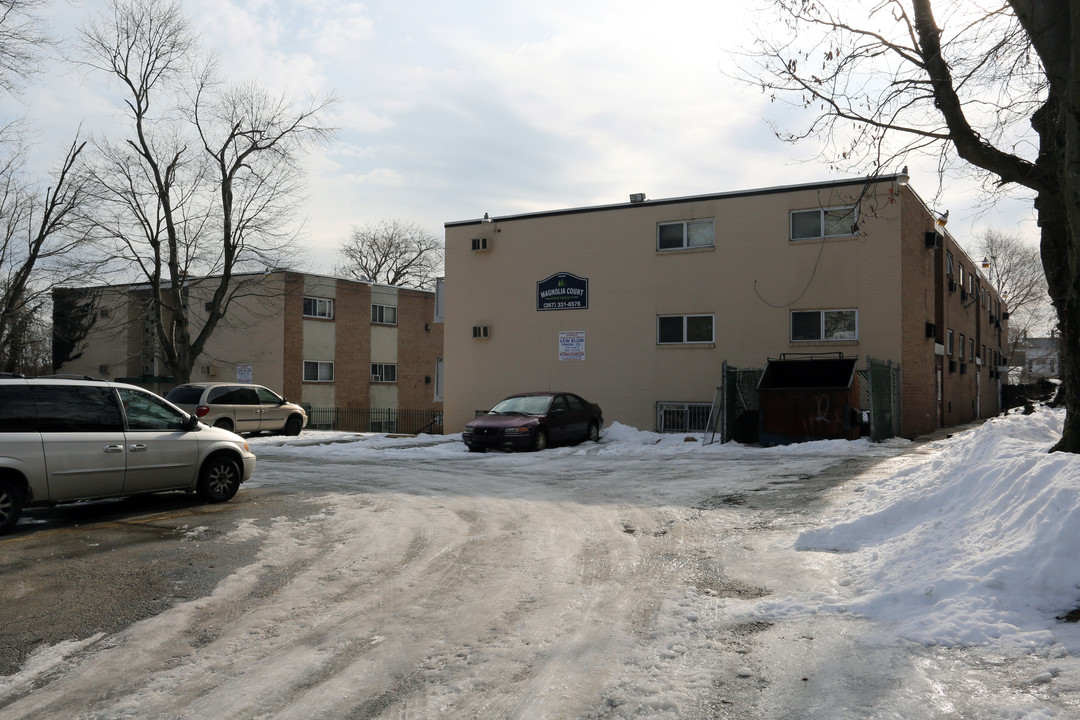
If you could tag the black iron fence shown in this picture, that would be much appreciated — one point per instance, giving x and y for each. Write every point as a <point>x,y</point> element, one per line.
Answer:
<point>386,420</point>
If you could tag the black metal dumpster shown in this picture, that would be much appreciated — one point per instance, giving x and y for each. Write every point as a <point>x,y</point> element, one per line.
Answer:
<point>809,398</point>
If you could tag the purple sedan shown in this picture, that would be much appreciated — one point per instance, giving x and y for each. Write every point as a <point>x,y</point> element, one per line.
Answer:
<point>532,421</point>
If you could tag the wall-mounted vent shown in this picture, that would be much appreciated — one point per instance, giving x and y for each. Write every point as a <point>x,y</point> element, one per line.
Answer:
<point>209,370</point>
<point>1004,316</point>
<point>208,306</point>
<point>480,331</point>
<point>104,312</point>
<point>952,366</point>
<point>932,240</point>
<point>480,244</point>
<point>931,330</point>
<point>103,369</point>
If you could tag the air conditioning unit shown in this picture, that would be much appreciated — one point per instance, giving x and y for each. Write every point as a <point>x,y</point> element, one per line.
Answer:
<point>480,331</point>
<point>952,286</point>
<point>963,295</point>
<point>1004,316</point>
<point>932,240</point>
<point>480,244</point>
<point>952,366</point>
<point>103,369</point>
<point>963,368</point>
<point>104,312</point>
<point>931,330</point>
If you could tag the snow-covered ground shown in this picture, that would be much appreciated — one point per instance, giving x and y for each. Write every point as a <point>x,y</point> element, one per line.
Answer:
<point>619,579</point>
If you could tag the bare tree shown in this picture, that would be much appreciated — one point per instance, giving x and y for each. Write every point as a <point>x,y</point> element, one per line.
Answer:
<point>206,182</point>
<point>36,250</point>
<point>884,79</point>
<point>1015,269</point>
<point>393,252</point>
<point>22,38</point>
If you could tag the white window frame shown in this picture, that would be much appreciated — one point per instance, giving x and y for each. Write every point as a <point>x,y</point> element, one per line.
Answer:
<point>821,338</point>
<point>379,313</point>
<point>823,225</point>
<point>323,371</point>
<point>685,226</point>
<point>685,323</point>
<point>384,372</point>
<point>324,308</point>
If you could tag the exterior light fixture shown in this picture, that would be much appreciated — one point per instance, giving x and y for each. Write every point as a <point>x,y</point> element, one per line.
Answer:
<point>487,219</point>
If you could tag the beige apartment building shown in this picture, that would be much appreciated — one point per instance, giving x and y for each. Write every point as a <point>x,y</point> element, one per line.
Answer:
<point>637,305</point>
<point>322,341</point>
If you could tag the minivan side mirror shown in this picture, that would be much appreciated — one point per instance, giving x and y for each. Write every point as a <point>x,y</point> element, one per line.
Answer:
<point>192,423</point>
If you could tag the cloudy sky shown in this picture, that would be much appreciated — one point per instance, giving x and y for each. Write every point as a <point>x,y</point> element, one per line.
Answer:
<point>450,109</point>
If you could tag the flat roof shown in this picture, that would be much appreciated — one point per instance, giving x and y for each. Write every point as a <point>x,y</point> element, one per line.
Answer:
<point>868,180</point>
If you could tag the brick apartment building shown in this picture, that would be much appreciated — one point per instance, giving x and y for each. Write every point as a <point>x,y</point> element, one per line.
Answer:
<point>638,305</point>
<point>320,341</point>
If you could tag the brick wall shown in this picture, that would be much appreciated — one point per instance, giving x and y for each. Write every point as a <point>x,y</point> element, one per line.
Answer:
<point>918,307</point>
<point>293,355</point>
<point>352,344</point>
<point>419,344</point>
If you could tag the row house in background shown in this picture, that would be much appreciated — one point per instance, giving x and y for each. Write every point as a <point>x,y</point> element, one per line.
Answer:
<point>321,341</point>
<point>640,306</point>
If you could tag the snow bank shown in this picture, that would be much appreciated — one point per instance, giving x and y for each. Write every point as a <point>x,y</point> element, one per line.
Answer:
<point>978,544</point>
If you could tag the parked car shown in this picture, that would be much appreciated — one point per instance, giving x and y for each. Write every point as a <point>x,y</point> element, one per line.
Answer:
<point>63,440</point>
<point>532,421</point>
<point>239,407</point>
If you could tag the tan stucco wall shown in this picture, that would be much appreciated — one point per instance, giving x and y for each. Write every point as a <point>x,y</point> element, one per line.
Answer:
<point>751,279</point>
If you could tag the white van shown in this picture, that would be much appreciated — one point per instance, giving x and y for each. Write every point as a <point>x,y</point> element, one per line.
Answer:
<point>64,439</point>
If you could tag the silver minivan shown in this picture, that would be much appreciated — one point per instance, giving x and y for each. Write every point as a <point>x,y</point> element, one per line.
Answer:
<point>239,407</point>
<point>63,440</point>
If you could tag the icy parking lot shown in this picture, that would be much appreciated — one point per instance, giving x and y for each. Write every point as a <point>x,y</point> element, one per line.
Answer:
<point>645,576</point>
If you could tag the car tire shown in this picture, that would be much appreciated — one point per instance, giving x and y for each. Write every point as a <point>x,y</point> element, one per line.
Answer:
<point>293,425</point>
<point>224,424</point>
<point>540,440</point>
<point>11,505</point>
<point>593,434</point>
<point>219,479</point>
<point>473,448</point>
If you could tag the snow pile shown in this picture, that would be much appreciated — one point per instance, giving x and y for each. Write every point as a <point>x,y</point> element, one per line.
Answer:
<point>976,545</point>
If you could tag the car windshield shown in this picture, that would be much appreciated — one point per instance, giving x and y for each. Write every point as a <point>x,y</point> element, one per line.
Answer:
<point>527,405</point>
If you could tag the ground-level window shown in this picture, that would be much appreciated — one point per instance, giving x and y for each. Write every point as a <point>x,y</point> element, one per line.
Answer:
<point>318,308</point>
<point>317,371</point>
<point>823,222</point>
<point>684,329</point>
<point>824,325</point>
<point>384,314</point>
<point>383,372</point>
<point>688,234</point>
<point>682,417</point>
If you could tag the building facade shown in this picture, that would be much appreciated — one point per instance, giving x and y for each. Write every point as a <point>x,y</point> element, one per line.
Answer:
<point>321,341</point>
<point>640,304</point>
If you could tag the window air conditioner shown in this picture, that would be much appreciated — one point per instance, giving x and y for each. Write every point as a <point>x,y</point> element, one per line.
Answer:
<point>952,286</point>
<point>932,240</point>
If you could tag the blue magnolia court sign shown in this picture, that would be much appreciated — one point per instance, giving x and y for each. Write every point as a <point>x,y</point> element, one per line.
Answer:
<point>562,291</point>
